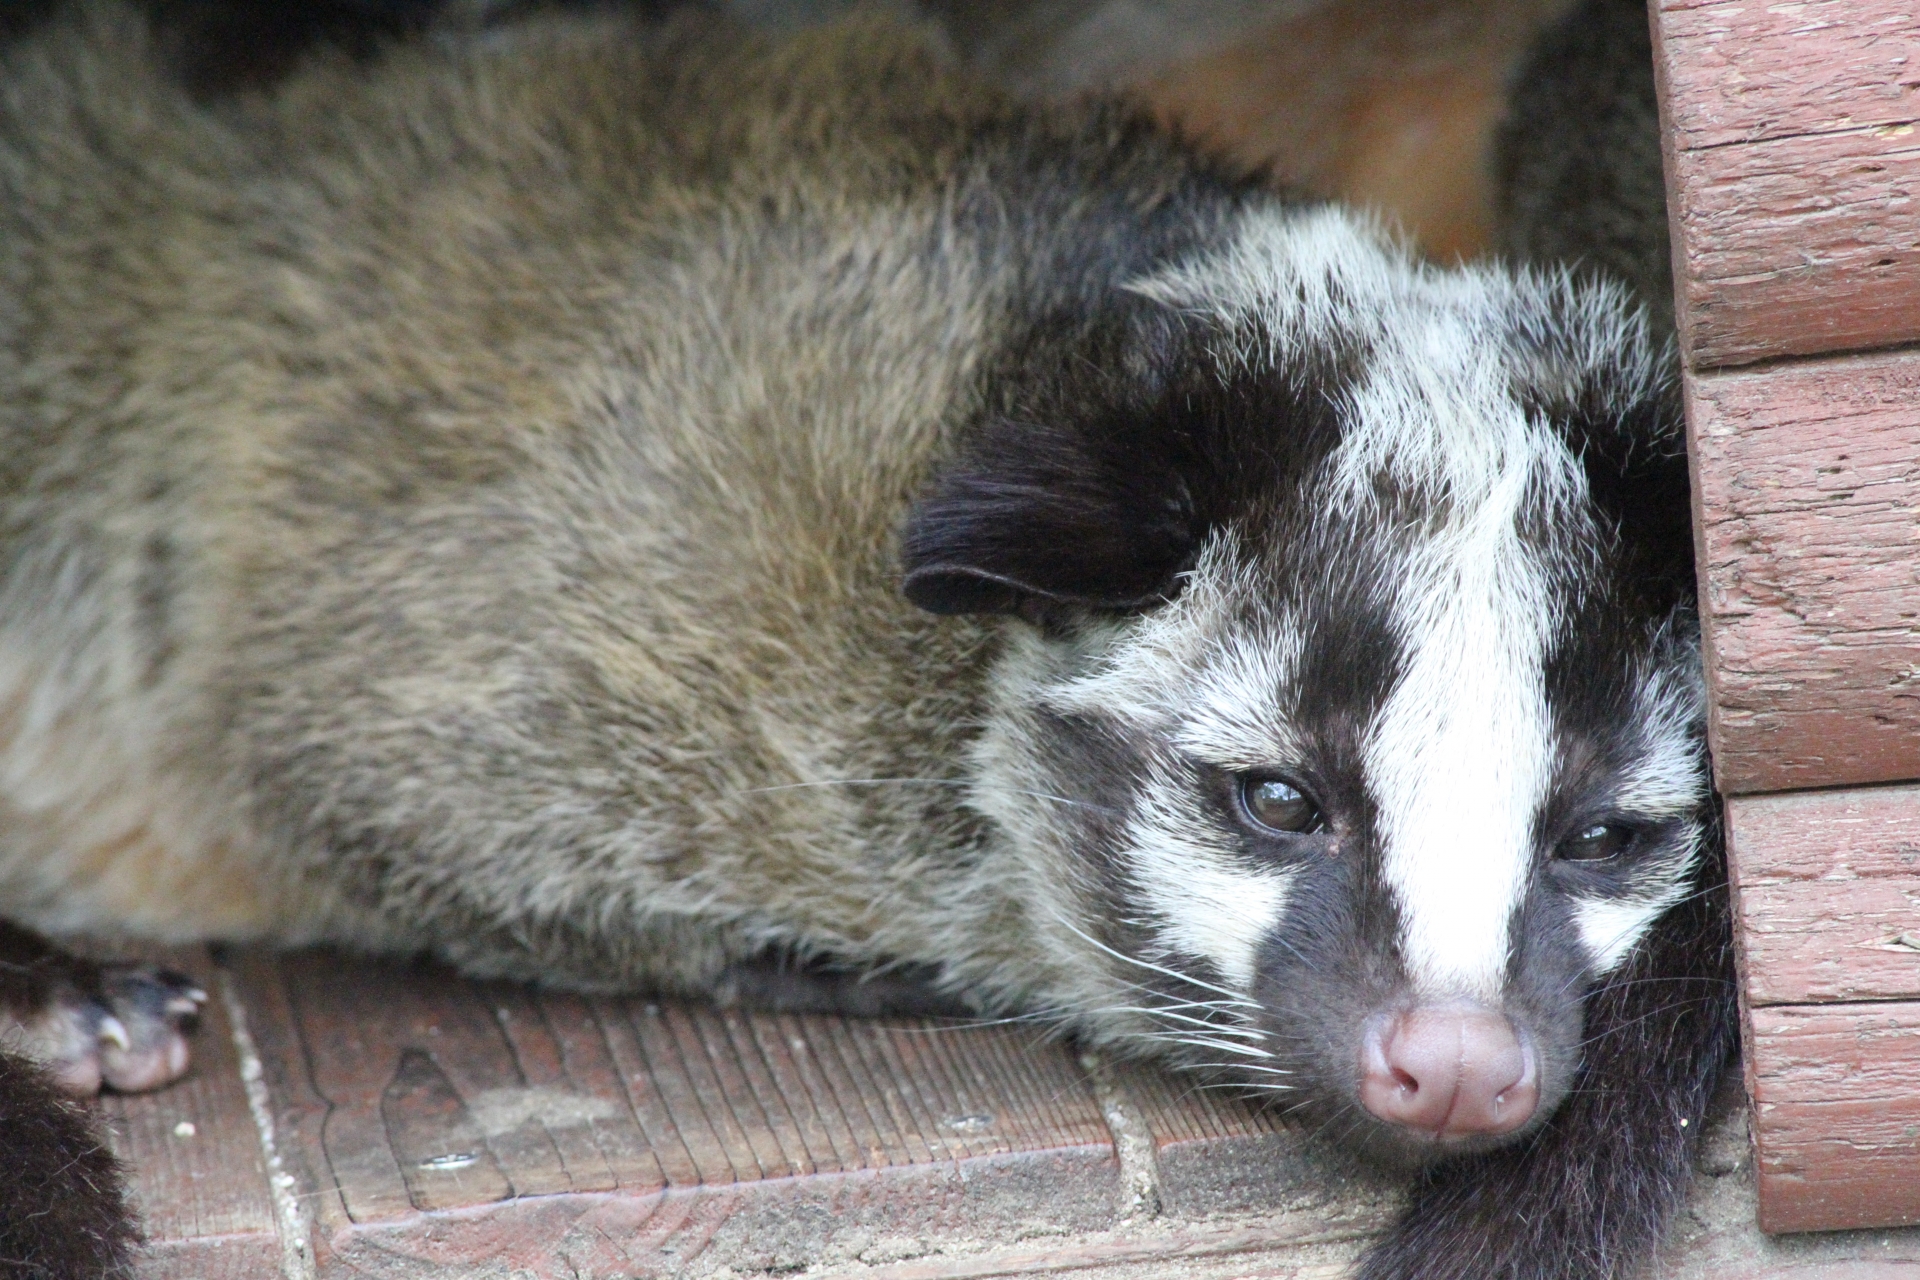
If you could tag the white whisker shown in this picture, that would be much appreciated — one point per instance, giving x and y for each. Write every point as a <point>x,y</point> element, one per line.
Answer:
<point>1175,974</point>
<point>1224,1005</point>
<point>1252,1033</point>
<point>1244,1086</point>
<point>1224,1047</point>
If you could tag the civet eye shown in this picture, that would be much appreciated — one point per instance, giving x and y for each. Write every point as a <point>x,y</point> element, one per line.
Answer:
<point>1279,806</point>
<point>1597,843</point>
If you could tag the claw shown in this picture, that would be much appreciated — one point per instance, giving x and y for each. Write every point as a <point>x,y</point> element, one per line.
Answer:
<point>114,1032</point>
<point>186,1003</point>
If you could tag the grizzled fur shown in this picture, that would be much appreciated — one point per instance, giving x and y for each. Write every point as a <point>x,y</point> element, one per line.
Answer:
<point>628,507</point>
<point>1578,158</point>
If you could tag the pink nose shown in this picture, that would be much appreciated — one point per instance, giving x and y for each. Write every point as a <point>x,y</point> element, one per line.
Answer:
<point>1453,1071</point>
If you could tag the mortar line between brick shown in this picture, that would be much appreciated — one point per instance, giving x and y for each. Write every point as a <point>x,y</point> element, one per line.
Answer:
<point>296,1245</point>
<point>1133,1143</point>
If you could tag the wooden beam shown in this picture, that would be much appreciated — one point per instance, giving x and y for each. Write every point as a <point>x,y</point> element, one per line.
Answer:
<point>1827,894</point>
<point>1792,166</point>
<point>1807,519</point>
<point>1836,1116</point>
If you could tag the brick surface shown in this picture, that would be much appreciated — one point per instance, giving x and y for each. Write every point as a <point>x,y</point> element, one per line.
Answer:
<point>434,1128</point>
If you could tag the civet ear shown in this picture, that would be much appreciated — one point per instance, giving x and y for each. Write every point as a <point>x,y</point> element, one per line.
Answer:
<point>1108,451</point>
<point>1090,514</point>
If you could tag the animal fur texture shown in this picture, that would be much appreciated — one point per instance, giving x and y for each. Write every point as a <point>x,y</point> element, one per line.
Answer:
<point>1578,159</point>
<point>649,507</point>
<point>63,1210</point>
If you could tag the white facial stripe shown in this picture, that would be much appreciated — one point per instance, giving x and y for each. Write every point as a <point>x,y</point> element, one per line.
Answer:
<point>1668,776</point>
<point>1183,673</point>
<point>1307,272</point>
<point>1204,901</point>
<point>1667,780</point>
<point>1186,665</point>
<point>1233,721</point>
<point>1461,755</point>
<point>1312,273</point>
<point>1610,926</point>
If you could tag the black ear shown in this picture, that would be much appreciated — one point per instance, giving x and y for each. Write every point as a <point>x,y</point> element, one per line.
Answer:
<point>1636,468</point>
<point>1099,514</point>
<point>1077,485</point>
<point>1109,450</point>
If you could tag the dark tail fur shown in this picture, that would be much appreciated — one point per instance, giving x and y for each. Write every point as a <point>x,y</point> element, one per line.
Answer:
<point>63,1208</point>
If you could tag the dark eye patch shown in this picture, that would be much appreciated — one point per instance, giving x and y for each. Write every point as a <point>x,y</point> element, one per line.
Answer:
<point>1276,805</point>
<point>1599,842</point>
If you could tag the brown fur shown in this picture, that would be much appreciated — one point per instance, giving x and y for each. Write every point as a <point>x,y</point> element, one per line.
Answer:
<point>411,533</point>
<point>462,500</point>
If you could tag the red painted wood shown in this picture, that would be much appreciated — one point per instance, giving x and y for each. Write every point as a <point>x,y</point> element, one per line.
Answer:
<point>434,1124</point>
<point>1763,71</point>
<point>1837,1116</point>
<point>1827,887</point>
<point>1807,516</point>
<point>1793,163</point>
<point>1792,169</point>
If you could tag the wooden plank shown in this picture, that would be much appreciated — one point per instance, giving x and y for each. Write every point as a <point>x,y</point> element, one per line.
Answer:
<point>995,1200</point>
<point>1807,516</point>
<point>1827,891</point>
<point>433,1123</point>
<point>198,1175</point>
<point>1792,163</point>
<point>1222,1152</point>
<point>1759,72</point>
<point>558,1051</point>
<point>1836,1116</point>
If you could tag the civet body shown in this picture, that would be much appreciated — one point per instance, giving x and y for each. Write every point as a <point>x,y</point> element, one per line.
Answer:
<point>637,508</point>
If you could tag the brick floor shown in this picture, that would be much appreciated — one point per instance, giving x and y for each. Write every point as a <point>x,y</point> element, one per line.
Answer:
<point>418,1126</point>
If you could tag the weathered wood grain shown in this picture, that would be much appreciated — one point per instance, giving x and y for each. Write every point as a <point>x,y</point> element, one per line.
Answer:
<point>1792,162</point>
<point>199,1179</point>
<point>1762,71</point>
<point>1240,1196</point>
<point>1807,516</point>
<point>1219,1152</point>
<point>1827,892</point>
<point>1837,1119</point>
<point>434,1123</point>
